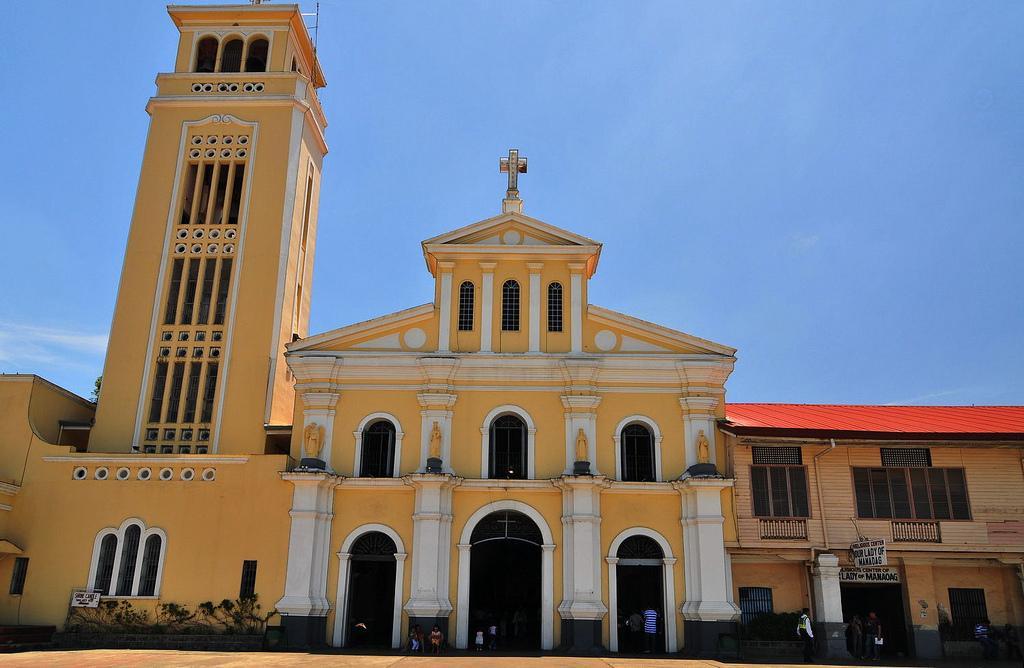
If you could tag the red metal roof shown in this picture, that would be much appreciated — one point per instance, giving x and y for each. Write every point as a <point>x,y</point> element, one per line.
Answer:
<point>989,422</point>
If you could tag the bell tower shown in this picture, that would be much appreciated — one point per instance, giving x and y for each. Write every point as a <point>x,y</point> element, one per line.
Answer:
<point>218,266</point>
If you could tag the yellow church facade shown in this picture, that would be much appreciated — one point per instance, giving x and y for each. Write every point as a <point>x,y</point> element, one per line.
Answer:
<point>506,454</point>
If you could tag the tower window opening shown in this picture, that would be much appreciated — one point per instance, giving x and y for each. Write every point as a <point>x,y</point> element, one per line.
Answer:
<point>204,194</point>
<point>256,59</point>
<point>206,55</point>
<point>174,400</point>
<point>189,301</point>
<point>222,291</point>
<point>236,194</point>
<point>189,194</point>
<point>172,292</point>
<point>192,393</point>
<point>209,393</point>
<point>207,293</point>
<point>223,175</point>
<point>231,57</point>
<point>158,392</point>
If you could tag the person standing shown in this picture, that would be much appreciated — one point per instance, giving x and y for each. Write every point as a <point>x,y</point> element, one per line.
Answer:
<point>857,637</point>
<point>492,637</point>
<point>983,634</point>
<point>806,634</point>
<point>874,638</point>
<point>650,628</point>
<point>636,631</point>
<point>436,638</point>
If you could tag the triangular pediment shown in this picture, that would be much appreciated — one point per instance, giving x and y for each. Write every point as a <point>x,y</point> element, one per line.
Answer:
<point>510,229</point>
<point>413,329</point>
<point>611,332</point>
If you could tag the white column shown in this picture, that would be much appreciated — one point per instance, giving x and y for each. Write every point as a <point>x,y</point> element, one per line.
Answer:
<point>486,305</point>
<point>444,323</point>
<point>396,619</point>
<point>338,638</point>
<point>462,609</point>
<point>581,522</point>
<point>576,307</point>
<point>319,408</point>
<point>708,595</point>
<point>828,599</point>
<point>431,551</point>
<point>534,268</point>
<point>547,596</point>
<point>305,589</point>
<point>698,415</point>
<point>669,582</point>
<point>613,604</point>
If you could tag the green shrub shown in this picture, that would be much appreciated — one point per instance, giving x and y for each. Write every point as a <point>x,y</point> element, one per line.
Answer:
<point>772,626</point>
<point>239,617</point>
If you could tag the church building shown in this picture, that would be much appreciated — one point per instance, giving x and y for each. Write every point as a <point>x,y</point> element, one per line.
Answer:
<point>506,453</point>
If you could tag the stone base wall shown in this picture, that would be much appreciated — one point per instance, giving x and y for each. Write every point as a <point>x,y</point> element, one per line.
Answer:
<point>222,643</point>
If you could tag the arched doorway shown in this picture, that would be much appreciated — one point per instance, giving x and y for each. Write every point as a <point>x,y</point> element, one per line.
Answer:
<point>640,576</point>
<point>505,580</point>
<point>370,602</point>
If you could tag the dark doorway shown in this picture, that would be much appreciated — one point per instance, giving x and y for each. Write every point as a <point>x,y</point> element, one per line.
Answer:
<point>505,581</point>
<point>886,601</point>
<point>639,587</point>
<point>371,591</point>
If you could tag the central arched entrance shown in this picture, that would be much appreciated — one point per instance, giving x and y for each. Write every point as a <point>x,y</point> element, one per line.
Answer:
<point>371,591</point>
<point>505,580</point>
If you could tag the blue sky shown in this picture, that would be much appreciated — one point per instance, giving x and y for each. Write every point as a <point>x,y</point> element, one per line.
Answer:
<point>834,188</point>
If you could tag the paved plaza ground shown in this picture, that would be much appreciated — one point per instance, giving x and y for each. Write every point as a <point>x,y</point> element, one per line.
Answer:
<point>113,658</point>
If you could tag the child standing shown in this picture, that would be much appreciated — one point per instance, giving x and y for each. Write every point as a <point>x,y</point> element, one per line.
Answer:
<point>436,638</point>
<point>479,640</point>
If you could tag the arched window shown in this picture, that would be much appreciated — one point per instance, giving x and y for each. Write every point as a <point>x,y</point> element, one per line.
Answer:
<point>637,453</point>
<point>466,291</point>
<point>510,306</point>
<point>129,554</point>
<point>378,454</point>
<point>231,56</point>
<point>150,565</point>
<point>508,448</point>
<point>374,546</point>
<point>555,307</point>
<point>105,565</point>
<point>640,547</point>
<point>256,57</point>
<point>206,55</point>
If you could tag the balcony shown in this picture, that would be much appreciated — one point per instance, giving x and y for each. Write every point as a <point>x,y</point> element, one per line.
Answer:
<point>783,529</point>
<point>916,532</point>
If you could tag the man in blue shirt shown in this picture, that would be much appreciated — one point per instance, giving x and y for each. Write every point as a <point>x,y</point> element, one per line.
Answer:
<point>650,628</point>
<point>983,634</point>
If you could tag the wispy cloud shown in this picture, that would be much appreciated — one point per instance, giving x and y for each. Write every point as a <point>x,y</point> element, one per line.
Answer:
<point>803,242</point>
<point>931,397</point>
<point>25,346</point>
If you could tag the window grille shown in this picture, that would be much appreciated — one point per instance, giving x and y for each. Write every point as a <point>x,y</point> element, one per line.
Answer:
<point>911,493</point>
<point>510,307</point>
<point>777,454</point>
<point>555,307</point>
<point>208,394</point>
<point>150,565</point>
<point>192,392</point>
<point>966,608</point>
<point>755,601</point>
<point>105,565</point>
<point>175,397</point>
<point>231,56</point>
<point>156,404</point>
<point>222,291</point>
<point>172,291</point>
<point>207,292</point>
<point>374,546</point>
<point>188,303</point>
<point>779,491</point>
<point>508,448</point>
<point>906,457</point>
<point>376,458</point>
<point>640,547</point>
<point>18,576</point>
<point>129,552</point>
<point>466,294</point>
<point>506,525</point>
<point>247,589</point>
<point>637,453</point>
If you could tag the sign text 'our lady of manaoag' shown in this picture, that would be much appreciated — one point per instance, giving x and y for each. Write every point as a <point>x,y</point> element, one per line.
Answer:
<point>869,553</point>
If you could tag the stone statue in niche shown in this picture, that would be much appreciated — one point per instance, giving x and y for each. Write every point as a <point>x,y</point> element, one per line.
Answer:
<point>434,464</point>
<point>703,448</point>
<point>312,437</point>
<point>582,464</point>
<point>703,468</point>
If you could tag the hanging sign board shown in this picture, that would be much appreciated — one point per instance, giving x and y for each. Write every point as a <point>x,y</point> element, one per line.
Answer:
<point>85,599</point>
<point>869,575</point>
<point>868,553</point>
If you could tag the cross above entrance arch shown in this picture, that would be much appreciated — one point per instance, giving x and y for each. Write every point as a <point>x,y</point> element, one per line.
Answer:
<point>668,581</point>
<point>547,570</point>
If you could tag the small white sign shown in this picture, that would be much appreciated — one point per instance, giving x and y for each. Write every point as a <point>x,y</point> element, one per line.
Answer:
<point>868,553</point>
<point>85,599</point>
<point>869,575</point>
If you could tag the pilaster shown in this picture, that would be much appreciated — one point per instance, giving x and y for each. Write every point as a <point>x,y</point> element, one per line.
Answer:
<point>576,306</point>
<point>486,305</point>
<point>431,551</point>
<point>534,325</point>
<point>444,320</point>
<point>828,606</point>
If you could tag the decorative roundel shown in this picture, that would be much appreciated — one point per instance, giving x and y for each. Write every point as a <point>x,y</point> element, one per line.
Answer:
<point>230,234</point>
<point>144,474</point>
<point>511,237</point>
<point>180,248</point>
<point>102,473</point>
<point>166,474</point>
<point>211,248</point>
<point>187,474</point>
<point>122,473</point>
<point>605,340</point>
<point>258,87</point>
<point>233,87</point>
<point>79,473</point>
<point>241,153</point>
<point>247,88</point>
<point>211,153</point>
<point>225,153</point>
<point>182,233</point>
<point>197,140</point>
<point>212,139</point>
<point>244,139</point>
<point>194,153</point>
<point>214,234</point>
<point>207,88</point>
<point>228,139</point>
<point>197,248</point>
<point>229,248</point>
<point>415,337</point>
<point>198,234</point>
<point>209,474</point>
<point>222,87</point>
<point>197,88</point>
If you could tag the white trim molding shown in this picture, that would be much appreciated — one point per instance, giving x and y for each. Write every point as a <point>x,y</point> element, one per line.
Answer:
<point>655,433</point>
<point>547,593</point>
<point>339,637</point>
<point>485,438</point>
<point>668,587</point>
<point>361,429</point>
